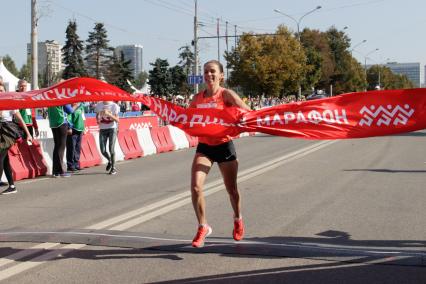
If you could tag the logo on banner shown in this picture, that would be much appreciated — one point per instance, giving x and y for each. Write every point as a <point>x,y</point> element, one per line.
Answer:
<point>140,125</point>
<point>385,115</point>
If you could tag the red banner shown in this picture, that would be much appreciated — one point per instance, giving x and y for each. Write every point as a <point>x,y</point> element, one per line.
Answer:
<point>353,115</point>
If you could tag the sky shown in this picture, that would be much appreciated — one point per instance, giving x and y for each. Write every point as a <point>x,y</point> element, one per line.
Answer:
<point>394,27</point>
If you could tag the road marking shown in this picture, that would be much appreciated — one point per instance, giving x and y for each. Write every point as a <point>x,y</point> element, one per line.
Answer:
<point>218,184</point>
<point>21,267</point>
<point>27,252</point>
<point>133,218</point>
<point>394,252</point>
<point>171,203</point>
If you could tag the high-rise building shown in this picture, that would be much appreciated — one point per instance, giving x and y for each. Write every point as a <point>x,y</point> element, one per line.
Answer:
<point>134,53</point>
<point>49,57</point>
<point>411,70</point>
<point>424,82</point>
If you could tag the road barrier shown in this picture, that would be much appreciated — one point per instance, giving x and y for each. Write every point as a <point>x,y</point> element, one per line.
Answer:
<point>178,137</point>
<point>29,161</point>
<point>162,139</point>
<point>145,140</point>
<point>129,143</point>
<point>26,160</point>
<point>89,154</point>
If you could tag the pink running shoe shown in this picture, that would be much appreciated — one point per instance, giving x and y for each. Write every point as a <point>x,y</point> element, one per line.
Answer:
<point>238,232</point>
<point>202,233</point>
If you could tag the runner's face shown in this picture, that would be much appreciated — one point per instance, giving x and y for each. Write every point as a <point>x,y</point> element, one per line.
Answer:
<point>2,89</point>
<point>212,75</point>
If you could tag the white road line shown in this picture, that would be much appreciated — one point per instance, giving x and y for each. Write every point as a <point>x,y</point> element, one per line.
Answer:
<point>210,188</point>
<point>243,176</point>
<point>27,252</point>
<point>21,267</point>
<point>215,242</point>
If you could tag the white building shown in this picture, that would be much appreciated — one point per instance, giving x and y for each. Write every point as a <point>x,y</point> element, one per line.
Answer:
<point>49,57</point>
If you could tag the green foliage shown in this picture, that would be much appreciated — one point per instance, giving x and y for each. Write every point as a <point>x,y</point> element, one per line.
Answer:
<point>187,62</point>
<point>25,71</point>
<point>314,63</point>
<point>320,60</point>
<point>275,65</point>
<point>141,79</point>
<point>384,77</point>
<point>179,81</point>
<point>348,74</point>
<point>98,53</point>
<point>159,78</point>
<point>72,53</point>
<point>187,59</point>
<point>267,65</point>
<point>10,65</point>
<point>120,73</point>
<point>168,82</point>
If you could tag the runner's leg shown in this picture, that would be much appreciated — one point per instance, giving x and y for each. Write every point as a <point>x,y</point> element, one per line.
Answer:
<point>229,172</point>
<point>201,166</point>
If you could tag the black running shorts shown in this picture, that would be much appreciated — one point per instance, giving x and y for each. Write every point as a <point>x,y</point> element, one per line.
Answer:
<point>218,153</point>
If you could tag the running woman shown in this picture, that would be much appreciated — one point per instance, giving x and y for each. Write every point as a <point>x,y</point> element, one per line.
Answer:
<point>220,150</point>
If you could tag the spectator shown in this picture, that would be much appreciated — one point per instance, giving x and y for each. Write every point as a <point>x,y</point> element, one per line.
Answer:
<point>59,124</point>
<point>123,107</point>
<point>76,120</point>
<point>107,117</point>
<point>9,132</point>
<point>135,107</point>
<point>27,114</point>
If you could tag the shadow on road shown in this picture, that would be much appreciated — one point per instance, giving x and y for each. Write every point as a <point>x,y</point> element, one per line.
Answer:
<point>386,171</point>
<point>327,273</point>
<point>334,257</point>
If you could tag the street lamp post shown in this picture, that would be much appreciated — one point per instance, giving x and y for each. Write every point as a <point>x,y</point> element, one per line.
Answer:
<point>365,61</point>
<point>195,69</point>
<point>298,21</point>
<point>379,67</point>
<point>358,44</point>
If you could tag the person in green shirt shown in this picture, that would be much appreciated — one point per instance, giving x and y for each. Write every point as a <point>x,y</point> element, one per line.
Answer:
<point>27,114</point>
<point>76,120</point>
<point>58,122</point>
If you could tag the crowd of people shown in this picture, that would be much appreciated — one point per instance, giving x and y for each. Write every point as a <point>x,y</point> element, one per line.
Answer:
<point>67,125</point>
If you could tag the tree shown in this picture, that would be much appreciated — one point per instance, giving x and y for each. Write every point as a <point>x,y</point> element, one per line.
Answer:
<point>72,53</point>
<point>120,72</point>
<point>10,65</point>
<point>388,79</point>
<point>319,58</point>
<point>187,59</point>
<point>159,78</point>
<point>141,79</point>
<point>179,83</point>
<point>26,70</point>
<point>99,53</point>
<point>348,75</point>
<point>269,65</point>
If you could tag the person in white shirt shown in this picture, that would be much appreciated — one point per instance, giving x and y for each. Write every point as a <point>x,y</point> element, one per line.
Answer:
<point>107,118</point>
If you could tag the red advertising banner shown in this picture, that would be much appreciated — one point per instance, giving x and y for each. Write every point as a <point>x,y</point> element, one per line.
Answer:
<point>353,115</point>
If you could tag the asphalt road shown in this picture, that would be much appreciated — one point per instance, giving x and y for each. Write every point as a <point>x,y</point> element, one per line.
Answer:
<point>349,211</point>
